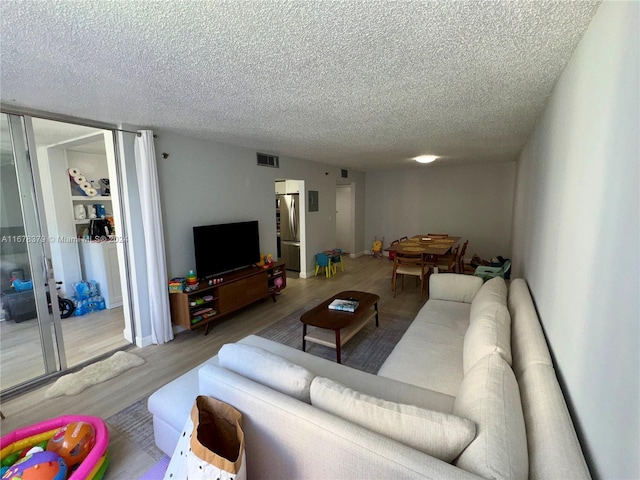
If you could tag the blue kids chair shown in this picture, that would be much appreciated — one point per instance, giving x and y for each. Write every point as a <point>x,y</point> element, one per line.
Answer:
<point>323,261</point>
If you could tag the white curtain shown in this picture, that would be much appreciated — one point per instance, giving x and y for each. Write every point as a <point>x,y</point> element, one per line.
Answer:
<point>161,329</point>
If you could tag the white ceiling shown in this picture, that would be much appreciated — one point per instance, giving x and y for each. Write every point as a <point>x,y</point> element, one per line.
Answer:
<point>356,83</point>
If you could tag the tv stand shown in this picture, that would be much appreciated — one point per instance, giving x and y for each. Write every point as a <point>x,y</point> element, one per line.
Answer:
<point>237,289</point>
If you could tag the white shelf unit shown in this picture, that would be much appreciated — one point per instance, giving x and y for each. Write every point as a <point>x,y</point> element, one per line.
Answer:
<point>87,202</point>
<point>100,263</point>
<point>94,155</point>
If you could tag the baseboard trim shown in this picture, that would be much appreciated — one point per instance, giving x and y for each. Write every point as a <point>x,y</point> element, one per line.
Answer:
<point>143,341</point>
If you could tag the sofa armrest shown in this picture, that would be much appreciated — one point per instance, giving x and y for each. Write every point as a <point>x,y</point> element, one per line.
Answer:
<point>454,287</point>
<point>286,438</point>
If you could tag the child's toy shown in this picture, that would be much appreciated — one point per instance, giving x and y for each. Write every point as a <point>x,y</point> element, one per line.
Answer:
<point>92,467</point>
<point>376,249</point>
<point>176,285</point>
<point>192,282</point>
<point>73,442</point>
<point>22,285</point>
<point>38,466</point>
<point>268,261</point>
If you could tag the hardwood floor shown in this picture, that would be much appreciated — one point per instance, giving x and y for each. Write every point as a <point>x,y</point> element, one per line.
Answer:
<point>188,349</point>
<point>85,337</point>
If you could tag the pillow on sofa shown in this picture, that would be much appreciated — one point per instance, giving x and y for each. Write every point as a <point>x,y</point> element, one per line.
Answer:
<point>493,291</point>
<point>267,369</point>
<point>489,396</point>
<point>440,435</point>
<point>454,287</point>
<point>489,332</point>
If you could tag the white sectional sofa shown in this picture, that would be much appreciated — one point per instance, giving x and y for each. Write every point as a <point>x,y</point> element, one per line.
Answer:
<point>469,392</point>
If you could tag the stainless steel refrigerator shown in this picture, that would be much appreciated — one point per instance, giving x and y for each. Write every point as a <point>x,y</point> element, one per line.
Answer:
<point>288,221</point>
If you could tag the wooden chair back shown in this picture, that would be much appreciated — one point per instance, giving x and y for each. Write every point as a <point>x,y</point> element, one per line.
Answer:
<point>411,261</point>
<point>461,257</point>
<point>409,264</point>
<point>449,262</point>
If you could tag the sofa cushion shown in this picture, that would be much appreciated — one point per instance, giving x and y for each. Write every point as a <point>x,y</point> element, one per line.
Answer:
<point>385,388</point>
<point>489,332</point>
<point>429,353</point>
<point>267,369</point>
<point>454,287</point>
<point>441,435</point>
<point>493,291</point>
<point>489,396</point>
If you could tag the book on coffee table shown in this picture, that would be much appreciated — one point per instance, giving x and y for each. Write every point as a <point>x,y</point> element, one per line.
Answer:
<point>344,305</point>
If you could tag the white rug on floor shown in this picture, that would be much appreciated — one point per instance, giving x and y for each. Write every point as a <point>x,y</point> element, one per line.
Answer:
<point>98,372</point>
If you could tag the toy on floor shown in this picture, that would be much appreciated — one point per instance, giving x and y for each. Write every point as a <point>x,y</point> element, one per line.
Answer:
<point>38,466</point>
<point>73,442</point>
<point>376,249</point>
<point>76,444</point>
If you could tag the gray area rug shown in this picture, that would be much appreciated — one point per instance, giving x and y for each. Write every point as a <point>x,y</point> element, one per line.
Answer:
<point>366,351</point>
<point>136,424</point>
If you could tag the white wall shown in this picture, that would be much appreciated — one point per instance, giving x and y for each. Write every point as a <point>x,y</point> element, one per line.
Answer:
<point>576,236</point>
<point>93,166</point>
<point>205,182</point>
<point>471,201</point>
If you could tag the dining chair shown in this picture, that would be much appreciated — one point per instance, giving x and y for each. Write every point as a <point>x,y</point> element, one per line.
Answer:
<point>461,257</point>
<point>448,263</point>
<point>437,235</point>
<point>404,239</point>
<point>414,265</point>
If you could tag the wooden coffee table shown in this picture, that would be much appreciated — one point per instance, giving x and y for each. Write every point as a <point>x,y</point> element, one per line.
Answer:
<point>335,328</point>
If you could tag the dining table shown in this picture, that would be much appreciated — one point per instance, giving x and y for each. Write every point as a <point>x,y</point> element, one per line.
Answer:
<point>425,245</point>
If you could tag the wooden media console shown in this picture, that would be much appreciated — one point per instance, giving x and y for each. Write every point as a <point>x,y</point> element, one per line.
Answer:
<point>237,289</point>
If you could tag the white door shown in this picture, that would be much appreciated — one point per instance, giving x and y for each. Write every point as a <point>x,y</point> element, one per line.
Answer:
<point>344,218</point>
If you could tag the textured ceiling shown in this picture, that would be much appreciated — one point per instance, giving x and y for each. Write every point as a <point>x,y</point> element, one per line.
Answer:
<point>355,83</point>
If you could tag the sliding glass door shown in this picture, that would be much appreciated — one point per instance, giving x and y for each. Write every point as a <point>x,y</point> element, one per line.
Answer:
<point>31,344</point>
<point>59,183</point>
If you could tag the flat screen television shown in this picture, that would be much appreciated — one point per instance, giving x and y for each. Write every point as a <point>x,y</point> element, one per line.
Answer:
<point>225,247</point>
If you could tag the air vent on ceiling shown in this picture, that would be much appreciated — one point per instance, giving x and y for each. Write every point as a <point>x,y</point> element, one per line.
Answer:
<point>268,160</point>
<point>345,173</point>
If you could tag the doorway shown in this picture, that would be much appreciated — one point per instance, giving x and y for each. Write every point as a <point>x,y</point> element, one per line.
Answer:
<point>290,224</point>
<point>47,250</point>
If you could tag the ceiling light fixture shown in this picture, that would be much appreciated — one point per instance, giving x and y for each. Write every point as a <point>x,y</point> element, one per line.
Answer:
<point>425,158</point>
